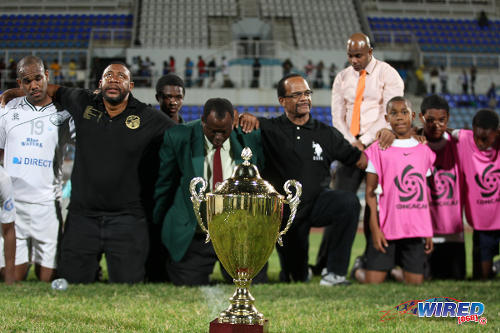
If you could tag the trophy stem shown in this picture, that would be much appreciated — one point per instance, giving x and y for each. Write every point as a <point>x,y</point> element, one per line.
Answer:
<point>242,310</point>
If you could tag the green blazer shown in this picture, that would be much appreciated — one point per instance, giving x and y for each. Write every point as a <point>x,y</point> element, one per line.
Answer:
<point>182,157</point>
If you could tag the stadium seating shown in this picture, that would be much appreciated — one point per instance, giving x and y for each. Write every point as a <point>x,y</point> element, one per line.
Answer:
<point>59,31</point>
<point>440,35</point>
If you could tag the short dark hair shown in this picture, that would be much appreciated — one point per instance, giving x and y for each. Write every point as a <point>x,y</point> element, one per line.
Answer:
<point>169,80</point>
<point>28,61</point>
<point>117,62</point>
<point>485,119</point>
<point>281,84</point>
<point>398,99</point>
<point>434,102</point>
<point>220,106</point>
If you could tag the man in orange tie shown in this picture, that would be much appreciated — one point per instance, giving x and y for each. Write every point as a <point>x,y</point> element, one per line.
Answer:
<point>359,96</point>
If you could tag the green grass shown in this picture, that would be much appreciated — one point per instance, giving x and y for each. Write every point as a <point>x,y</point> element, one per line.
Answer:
<point>300,307</point>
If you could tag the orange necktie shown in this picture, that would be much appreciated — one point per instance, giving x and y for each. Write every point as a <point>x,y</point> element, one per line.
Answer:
<point>356,110</point>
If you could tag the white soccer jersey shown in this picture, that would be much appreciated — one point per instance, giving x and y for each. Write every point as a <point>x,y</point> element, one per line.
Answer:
<point>7,210</point>
<point>32,138</point>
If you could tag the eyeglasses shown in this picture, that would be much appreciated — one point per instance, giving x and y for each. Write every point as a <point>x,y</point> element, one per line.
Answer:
<point>299,94</point>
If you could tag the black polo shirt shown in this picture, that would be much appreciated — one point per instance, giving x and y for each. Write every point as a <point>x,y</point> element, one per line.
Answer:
<point>112,154</point>
<point>303,153</point>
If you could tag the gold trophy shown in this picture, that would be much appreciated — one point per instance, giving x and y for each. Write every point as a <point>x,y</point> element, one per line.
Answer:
<point>243,217</point>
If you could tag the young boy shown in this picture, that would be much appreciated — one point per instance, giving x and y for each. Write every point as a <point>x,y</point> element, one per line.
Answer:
<point>447,261</point>
<point>7,216</point>
<point>479,164</point>
<point>398,229</point>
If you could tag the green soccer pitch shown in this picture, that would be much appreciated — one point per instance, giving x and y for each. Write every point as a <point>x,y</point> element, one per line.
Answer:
<point>298,307</point>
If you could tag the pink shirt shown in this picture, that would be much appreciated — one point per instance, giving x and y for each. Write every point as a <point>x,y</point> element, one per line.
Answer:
<point>481,176</point>
<point>444,186</point>
<point>382,83</point>
<point>404,202</point>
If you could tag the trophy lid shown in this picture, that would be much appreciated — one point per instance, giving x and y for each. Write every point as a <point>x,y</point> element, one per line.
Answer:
<point>245,180</point>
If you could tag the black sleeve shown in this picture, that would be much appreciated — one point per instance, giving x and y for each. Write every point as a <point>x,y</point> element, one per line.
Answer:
<point>73,99</point>
<point>340,149</point>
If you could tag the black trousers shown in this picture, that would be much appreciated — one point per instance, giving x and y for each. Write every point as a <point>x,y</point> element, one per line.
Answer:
<point>198,263</point>
<point>123,239</point>
<point>339,210</point>
<point>348,178</point>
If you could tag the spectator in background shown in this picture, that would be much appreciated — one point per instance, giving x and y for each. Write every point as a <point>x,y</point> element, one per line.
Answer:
<point>492,96</point>
<point>443,78</point>
<point>2,70</point>
<point>12,74</point>
<point>212,70</point>
<point>434,79</point>
<point>165,70</point>
<point>473,74</point>
<point>421,88</point>
<point>202,71</point>
<point>482,20</point>
<point>171,65</point>
<point>332,72</point>
<point>308,69</point>
<point>318,82</point>
<point>188,72</point>
<point>287,66</point>
<point>72,72</point>
<point>255,73</point>
<point>225,74</point>
<point>55,67</point>
<point>464,82</point>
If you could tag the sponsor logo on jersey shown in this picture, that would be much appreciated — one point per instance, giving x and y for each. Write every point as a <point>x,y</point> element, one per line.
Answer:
<point>410,185</point>
<point>318,152</point>
<point>442,184</point>
<point>92,113</point>
<point>488,181</point>
<point>15,116</point>
<point>31,142</point>
<point>133,121</point>
<point>8,205</point>
<point>39,162</point>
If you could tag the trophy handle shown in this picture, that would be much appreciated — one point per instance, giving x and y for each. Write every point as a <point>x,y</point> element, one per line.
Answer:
<point>293,202</point>
<point>197,199</point>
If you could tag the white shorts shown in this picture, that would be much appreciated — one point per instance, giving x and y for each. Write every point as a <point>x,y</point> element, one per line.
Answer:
<point>37,229</point>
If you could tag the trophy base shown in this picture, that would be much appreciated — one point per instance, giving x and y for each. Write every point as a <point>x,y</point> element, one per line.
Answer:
<point>216,327</point>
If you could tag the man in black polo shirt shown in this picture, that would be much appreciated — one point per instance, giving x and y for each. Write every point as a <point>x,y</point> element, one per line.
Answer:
<point>117,140</point>
<point>296,146</point>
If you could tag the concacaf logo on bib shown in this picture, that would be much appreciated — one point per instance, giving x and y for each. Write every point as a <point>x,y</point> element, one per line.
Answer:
<point>133,122</point>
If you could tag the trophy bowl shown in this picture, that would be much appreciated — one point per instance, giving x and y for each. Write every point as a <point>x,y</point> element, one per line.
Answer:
<point>244,216</point>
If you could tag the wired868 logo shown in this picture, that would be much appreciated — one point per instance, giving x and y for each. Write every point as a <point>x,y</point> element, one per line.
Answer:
<point>439,307</point>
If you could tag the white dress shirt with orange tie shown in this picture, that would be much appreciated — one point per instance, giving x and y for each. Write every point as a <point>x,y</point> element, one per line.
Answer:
<point>382,82</point>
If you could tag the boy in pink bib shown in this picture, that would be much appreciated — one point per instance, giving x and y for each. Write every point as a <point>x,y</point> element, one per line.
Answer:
<point>447,261</point>
<point>402,229</point>
<point>478,152</point>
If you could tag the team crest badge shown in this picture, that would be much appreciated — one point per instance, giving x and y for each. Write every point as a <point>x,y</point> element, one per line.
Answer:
<point>133,122</point>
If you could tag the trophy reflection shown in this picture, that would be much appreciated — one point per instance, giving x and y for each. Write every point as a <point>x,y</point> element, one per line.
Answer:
<point>243,221</point>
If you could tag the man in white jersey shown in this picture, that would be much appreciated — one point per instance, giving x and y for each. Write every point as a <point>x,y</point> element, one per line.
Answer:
<point>7,216</point>
<point>32,135</point>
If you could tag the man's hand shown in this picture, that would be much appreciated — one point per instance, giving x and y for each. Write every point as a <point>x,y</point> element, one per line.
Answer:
<point>385,138</point>
<point>429,246</point>
<point>420,138</point>
<point>362,163</point>
<point>9,94</point>
<point>379,241</point>
<point>358,145</point>
<point>248,122</point>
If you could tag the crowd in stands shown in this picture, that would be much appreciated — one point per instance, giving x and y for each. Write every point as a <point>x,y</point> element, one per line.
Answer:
<point>140,216</point>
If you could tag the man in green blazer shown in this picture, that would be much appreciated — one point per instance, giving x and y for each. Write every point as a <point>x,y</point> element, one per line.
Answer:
<point>188,151</point>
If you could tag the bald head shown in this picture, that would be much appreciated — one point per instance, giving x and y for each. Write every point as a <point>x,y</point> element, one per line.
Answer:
<point>27,62</point>
<point>359,51</point>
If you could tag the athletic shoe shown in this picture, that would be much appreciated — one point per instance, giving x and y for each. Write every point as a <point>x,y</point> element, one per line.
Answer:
<point>496,267</point>
<point>331,279</point>
<point>359,262</point>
